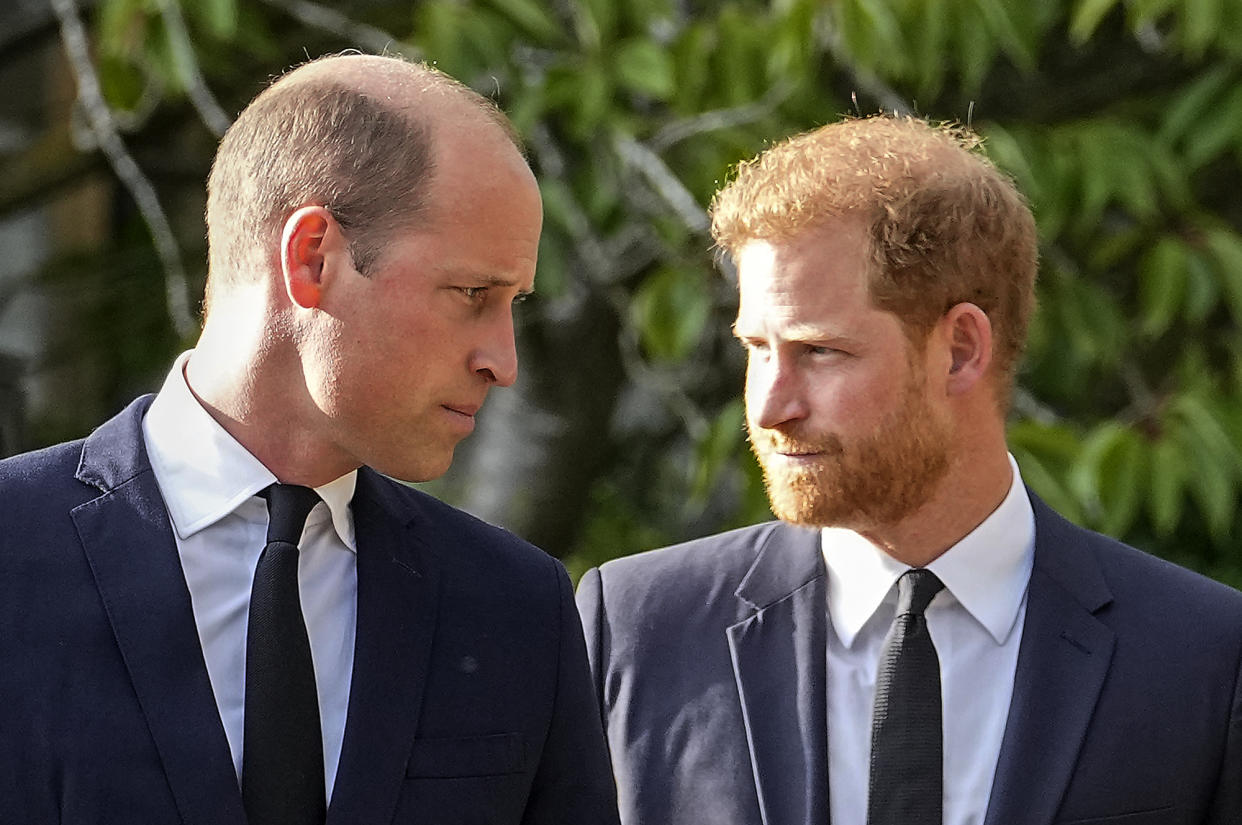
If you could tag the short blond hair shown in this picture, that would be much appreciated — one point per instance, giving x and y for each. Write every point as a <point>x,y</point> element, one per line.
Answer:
<point>946,226</point>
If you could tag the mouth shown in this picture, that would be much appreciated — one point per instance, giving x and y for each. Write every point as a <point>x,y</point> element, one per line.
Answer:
<point>462,414</point>
<point>469,410</point>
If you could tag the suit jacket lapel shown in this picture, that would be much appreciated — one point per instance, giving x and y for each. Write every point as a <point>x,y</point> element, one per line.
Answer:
<point>779,661</point>
<point>1062,663</point>
<point>128,542</point>
<point>398,599</point>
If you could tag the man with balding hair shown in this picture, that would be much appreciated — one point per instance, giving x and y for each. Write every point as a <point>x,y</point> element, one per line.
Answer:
<point>218,608</point>
<point>919,640</point>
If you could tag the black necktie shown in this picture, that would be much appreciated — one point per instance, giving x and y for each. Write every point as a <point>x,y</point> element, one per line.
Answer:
<point>906,734</point>
<point>282,752</point>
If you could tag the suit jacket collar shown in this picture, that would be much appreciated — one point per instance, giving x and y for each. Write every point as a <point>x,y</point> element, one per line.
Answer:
<point>784,710</point>
<point>129,545</point>
<point>398,603</point>
<point>128,541</point>
<point>1062,664</point>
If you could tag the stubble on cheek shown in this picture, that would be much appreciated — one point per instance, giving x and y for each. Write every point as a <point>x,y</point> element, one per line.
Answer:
<point>877,479</point>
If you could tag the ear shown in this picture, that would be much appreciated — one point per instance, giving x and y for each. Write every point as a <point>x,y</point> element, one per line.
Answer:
<point>307,244</point>
<point>968,333</point>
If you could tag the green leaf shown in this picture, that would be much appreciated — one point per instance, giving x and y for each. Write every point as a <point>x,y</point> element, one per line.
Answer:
<point>717,449</point>
<point>794,40</point>
<point>1112,473</point>
<point>871,35</point>
<point>1226,249</point>
<point>595,22</point>
<point>1202,287</point>
<point>1162,285</point>
<point>439,24</point>
<point>532,19</point>
<point>644,67</point>
<point>1220,128</point>
<point>1087,17</point>
<point>1097,163</point>
<point>121,82</point>
<point>1200,23</point>
<point>1056,445</point>
<point>930,46</point>
<point>1008,154</point>
<point>219,17</point>
<point>976,51</point>
<point>1193,103</point>
<point>1213,488</point>
<point>1166,498</point>
<point>119,26</point>
<point>1047,486</point>
<point>692,67</point>
<point>671,310</point>
<point>1198,416</point>
<point>583,92</point>
<point>999,21</point>
<point>553,278</point>
<point>561,210</point>
<point>1144,12</point>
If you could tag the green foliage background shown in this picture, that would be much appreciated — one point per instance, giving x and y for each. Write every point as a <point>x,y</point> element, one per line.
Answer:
<point>1122,121</point>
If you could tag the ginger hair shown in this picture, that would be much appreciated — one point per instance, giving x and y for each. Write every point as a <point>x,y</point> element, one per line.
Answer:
<point>946,226</point>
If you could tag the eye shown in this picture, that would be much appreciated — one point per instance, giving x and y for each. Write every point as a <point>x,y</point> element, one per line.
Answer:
<point>822,351</point>
<point>473,293</point>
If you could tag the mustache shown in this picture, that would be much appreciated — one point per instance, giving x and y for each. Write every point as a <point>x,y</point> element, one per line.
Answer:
<point>793,442</point>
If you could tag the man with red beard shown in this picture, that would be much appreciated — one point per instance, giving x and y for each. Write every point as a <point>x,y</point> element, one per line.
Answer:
<point>919,639</point>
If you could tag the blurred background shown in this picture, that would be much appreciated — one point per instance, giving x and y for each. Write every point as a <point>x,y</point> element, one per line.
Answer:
<point>1120,119</point>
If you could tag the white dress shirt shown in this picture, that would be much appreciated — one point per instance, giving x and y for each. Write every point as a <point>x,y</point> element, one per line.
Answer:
<point>976,625</point>
<point>209,483</point>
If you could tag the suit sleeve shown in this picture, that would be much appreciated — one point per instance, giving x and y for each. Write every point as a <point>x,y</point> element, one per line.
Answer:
<point>574,783</point>
<point>591,608</point>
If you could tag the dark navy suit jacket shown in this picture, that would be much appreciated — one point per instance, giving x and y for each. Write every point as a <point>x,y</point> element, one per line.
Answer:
<point>470,701</point>
<point>710,664</point>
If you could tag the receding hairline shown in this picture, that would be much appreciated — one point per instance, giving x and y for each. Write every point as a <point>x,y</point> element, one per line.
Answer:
<point>400,84</point>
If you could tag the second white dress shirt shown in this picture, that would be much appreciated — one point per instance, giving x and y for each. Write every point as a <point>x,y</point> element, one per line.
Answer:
<point>976,624</point>
<point>209,483</point>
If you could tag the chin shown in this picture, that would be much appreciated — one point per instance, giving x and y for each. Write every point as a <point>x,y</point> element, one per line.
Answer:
<point>415,470</point>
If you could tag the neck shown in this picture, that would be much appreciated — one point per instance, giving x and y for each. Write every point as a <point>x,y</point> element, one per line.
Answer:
<point>977,481</point>
<point>247,374</point>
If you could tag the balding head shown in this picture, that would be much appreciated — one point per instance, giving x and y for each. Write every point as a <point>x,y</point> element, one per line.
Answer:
<point>355,134</point>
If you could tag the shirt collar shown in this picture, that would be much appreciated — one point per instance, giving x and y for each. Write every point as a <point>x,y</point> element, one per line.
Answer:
<point>204,474</point>
<point>987,571</point>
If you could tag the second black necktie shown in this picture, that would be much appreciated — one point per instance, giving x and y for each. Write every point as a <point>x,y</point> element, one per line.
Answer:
<point>282,751</point>
<point>907,762</point>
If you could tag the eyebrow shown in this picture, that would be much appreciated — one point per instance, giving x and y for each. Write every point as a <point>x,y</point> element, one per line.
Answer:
<point>490,280</point>
<point>799,333</point>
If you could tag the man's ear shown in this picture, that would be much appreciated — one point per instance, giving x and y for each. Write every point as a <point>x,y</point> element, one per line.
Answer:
<point>310,243</point>
<point>968,332</point>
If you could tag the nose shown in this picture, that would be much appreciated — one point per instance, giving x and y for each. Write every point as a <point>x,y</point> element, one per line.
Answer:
<point>775,393</point>
<point>496,357</point>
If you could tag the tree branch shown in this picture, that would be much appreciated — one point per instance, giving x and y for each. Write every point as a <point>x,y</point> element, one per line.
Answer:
<point>652,167</point>
<point>332,21</point>
<point>105,132</point>
<point>214,117</point>
<point>713,121</point>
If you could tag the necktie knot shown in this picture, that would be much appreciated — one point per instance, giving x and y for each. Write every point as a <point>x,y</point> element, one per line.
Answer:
<point>288,505</point>
<point>915,590</point>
